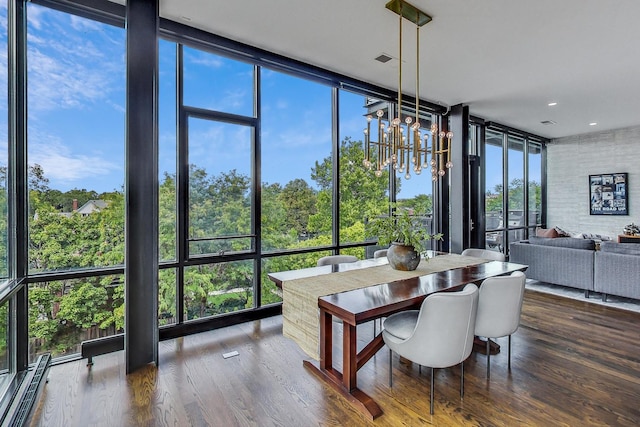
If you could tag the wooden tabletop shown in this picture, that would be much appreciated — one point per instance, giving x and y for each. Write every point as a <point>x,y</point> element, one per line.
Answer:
<point>362,305</point>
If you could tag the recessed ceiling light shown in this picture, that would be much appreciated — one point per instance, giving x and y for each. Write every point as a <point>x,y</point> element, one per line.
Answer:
<point>186,18</point>
<point>593,124</point>
<point>548,122</point>
<point>552,104</point>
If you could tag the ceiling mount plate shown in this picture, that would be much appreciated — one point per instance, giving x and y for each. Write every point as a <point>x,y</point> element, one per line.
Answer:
<point>409,12</point>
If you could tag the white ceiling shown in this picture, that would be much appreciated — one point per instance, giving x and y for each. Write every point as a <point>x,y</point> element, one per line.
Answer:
<point>506,59</point>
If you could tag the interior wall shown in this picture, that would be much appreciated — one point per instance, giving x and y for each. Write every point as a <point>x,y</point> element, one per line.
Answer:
<point>571,160</point>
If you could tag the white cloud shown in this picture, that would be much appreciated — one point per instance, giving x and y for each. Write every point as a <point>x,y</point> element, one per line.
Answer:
<point>66,67</point>
<point>203,58</point>
<point>60,164</point>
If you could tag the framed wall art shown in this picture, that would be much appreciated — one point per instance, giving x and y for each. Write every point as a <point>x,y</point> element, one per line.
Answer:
<point>608,194</point>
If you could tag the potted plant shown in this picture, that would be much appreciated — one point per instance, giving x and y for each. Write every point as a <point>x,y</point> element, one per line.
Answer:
<point>406,234</point>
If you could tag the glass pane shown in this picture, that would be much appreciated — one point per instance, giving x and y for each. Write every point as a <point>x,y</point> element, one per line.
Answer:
<point>5,351</point>
<point>167,157</point>
<point>493,179</point>
<point>220,208</point>
<point>167,297</point>
<point>4,144</point>
<point>216,83</point>
<point>270,292</point>
<point>363,195</point>
<point>214,289</point>
<point>416,193</point>
<point>516,180</point>
<point>493,189</point>
<point>535,183</point>
<point>297,180</point>
<point>64,313</point>
<point>516,188</point>
<point>76,105</point>
<point>495,241</point>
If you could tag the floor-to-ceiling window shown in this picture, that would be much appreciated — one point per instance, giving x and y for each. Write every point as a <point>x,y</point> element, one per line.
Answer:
<point>76,104</point>
<point>494,171</point>
<point>513,187</point>
<point>5,339</point>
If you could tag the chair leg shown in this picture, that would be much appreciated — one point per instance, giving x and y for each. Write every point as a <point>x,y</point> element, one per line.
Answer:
<point>390,368</point>
<point>431,395</point>
<point>509,353</point>
<point>462,379</point>
<point>488,357</point>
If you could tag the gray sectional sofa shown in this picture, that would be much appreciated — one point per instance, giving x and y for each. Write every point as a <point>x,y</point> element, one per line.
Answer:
<point>617,270</point>
<point>567,261</point>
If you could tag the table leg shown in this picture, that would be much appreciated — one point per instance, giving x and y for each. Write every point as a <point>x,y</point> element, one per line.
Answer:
<point>349,357</point>
<point>326,340</point>
<point>345,384</point>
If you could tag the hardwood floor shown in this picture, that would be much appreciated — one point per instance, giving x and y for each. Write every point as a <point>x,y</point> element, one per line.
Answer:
<point>573,364</point>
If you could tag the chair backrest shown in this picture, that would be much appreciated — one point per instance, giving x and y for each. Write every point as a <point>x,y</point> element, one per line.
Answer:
<point>380,253</point>
<point>500,305</point>
<point>336,259</point>
<point>445,329</point>
<point>484,253</point>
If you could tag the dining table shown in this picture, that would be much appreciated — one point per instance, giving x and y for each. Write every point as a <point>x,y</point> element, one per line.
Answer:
<point>360,292</point>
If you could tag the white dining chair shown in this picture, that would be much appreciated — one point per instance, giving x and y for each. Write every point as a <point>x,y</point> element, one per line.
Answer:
<point>484,253</point>
<point>336,259</point>
<point>380,253</point>
<point>439,335</point>
<point>499,309</point>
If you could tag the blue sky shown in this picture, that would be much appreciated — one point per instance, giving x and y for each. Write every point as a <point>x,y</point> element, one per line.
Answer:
<point>76,105</point>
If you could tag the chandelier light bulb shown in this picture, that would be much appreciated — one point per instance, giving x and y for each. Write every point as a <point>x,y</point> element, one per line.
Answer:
<point>432,162</point>
<point>449,134</point>
<point>378,173</point>
<point>442,134</point>
<point>396,121</point>
<point>379,113</point>
<point>369,117</point>
<point>449,165</point>
<point>407,176</point>
<point>434,178</point>
<point>441,172</point>
<point>408,120</point>
<point>434,128</point>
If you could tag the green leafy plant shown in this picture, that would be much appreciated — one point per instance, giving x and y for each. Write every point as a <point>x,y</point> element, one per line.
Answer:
<point>406,227</point>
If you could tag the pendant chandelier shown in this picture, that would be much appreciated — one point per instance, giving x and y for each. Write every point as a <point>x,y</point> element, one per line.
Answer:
<point>401,145</point>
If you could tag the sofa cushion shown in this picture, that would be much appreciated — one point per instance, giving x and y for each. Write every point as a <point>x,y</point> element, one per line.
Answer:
<point>620,248</point>
<point>564,242</point>
<point>547,232</point>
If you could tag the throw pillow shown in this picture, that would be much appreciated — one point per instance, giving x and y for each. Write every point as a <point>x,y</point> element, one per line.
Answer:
<point>546,232</point>
<point>563,233</point>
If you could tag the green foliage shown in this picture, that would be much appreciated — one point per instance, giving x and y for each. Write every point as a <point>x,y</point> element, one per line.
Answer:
<point>405,227</point>
<point>516,196</point>
<point>297,214</point>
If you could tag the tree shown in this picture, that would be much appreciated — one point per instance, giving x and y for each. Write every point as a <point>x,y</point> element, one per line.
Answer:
<point>299,201</point>
<point>361,192</point>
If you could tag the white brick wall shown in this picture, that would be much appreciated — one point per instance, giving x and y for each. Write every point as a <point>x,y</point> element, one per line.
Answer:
<point>571,160</point>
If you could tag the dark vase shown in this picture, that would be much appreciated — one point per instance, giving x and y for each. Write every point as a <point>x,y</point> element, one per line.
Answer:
<point>402,257</point>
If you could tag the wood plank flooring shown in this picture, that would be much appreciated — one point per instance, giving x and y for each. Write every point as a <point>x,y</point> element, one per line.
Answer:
<point>573,364</point>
